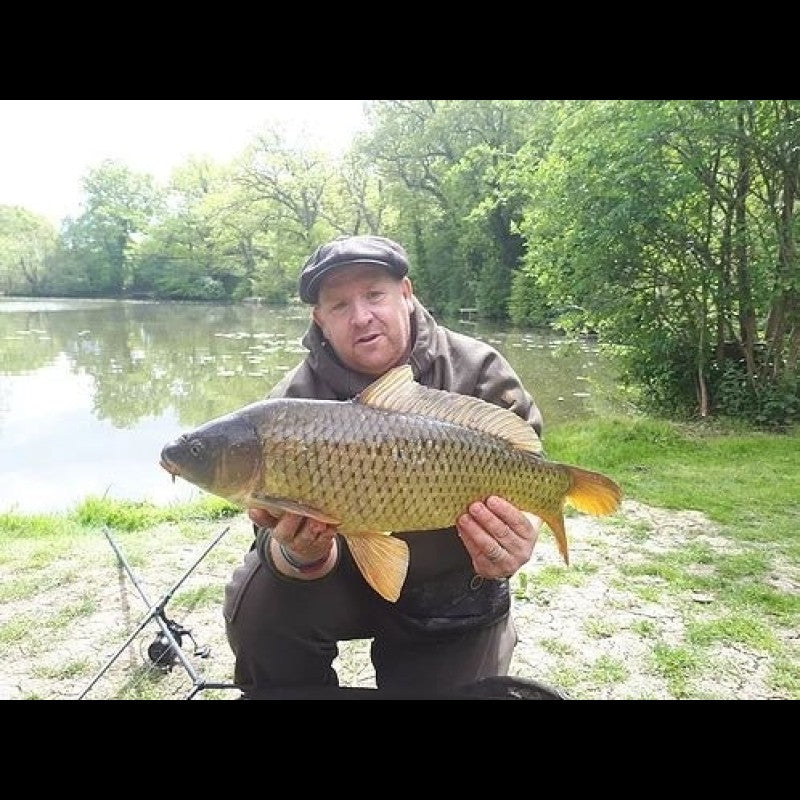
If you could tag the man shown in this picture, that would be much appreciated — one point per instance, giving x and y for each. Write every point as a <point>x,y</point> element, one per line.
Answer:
<point>298,591</point>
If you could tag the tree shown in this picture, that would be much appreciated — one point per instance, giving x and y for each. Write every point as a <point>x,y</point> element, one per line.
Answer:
<point>443,164</point>
<point>194,252</point>
<point>284,184</point>
<point>651,218</point>
<point>119,207</point>
<point>27,244</point>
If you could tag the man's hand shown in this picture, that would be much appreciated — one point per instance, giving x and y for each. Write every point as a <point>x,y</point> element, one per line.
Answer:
<point>306,539</point>
<point>498,536</point>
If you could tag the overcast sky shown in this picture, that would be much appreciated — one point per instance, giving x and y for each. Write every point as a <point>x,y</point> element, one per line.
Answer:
<point>48,146</point>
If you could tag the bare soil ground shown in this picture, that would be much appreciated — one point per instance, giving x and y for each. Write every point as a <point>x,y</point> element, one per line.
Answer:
<point>591,629</point>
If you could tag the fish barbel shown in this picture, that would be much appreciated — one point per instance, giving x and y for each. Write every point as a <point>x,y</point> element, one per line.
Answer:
<point>398,457</point>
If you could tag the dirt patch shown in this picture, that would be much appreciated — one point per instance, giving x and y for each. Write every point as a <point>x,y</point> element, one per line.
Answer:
<point>600,629</point>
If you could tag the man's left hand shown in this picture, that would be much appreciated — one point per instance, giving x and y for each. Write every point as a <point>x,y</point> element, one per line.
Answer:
<point>498,536</point>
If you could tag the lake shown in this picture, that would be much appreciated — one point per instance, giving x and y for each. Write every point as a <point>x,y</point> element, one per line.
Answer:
<point>91,390</point>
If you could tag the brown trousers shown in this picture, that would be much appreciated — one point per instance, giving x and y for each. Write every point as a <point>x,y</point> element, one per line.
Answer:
<point>284,632</point>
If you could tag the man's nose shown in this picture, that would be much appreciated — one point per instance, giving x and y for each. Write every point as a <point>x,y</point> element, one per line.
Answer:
<point>362,313</point>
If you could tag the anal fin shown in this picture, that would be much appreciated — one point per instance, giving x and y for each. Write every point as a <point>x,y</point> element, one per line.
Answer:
<point>383,561</point>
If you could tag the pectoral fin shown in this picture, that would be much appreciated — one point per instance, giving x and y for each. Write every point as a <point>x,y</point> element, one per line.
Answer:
<point>383,561</point>
<point>279,505</point>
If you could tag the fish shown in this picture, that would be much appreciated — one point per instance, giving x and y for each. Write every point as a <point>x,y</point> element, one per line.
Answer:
<point>398,457</point>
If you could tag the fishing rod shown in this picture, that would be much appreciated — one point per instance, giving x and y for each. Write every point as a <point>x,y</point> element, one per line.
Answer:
<point>167,646</point>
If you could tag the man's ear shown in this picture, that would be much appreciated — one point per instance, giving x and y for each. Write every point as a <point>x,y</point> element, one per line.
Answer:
<point>408,291</point>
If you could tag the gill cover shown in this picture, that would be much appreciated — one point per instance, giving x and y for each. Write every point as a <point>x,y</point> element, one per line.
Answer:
<point>222,456</point>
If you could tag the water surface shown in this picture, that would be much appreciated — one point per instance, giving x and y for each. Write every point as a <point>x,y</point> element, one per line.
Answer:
<point>90,390</point>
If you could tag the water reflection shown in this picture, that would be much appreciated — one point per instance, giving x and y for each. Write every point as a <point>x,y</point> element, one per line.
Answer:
<point>91,390</point>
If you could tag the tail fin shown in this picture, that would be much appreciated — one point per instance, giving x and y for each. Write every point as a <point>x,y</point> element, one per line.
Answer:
<point>592,492</point>
<point>556,524</point>
<point>589,492</point>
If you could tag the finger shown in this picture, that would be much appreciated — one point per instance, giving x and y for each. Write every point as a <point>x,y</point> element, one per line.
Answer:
<point>306,538</point>
<point>489,558</point>
<point>287,527</point>
<point>510,516</point>
<point>496,530</point>
<point>261,517</point>
<point>525,526</point>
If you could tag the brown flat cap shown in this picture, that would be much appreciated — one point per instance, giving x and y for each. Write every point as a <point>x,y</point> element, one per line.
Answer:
<point>350,250</point>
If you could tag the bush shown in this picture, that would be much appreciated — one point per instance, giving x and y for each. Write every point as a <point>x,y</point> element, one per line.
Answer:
<point>768,404</point>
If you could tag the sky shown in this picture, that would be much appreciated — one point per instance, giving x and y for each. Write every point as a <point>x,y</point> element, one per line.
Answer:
<point>48,146</point>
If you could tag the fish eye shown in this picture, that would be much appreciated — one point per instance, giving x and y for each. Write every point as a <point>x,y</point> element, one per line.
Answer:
<point>196,447</point>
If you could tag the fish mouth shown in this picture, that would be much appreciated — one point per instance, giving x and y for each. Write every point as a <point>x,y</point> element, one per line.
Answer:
<point>169,467</point>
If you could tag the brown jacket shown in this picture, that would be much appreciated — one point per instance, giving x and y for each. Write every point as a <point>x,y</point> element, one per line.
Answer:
<point>441,591</point>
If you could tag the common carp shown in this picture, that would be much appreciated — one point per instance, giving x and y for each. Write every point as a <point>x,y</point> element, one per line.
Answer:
<point>398,457</point>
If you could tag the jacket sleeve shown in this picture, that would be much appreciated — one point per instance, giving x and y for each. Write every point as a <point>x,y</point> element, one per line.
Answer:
<point>470,366</point>
<point>498,383</point>
<point>281,387</point>
<point>297,382</point>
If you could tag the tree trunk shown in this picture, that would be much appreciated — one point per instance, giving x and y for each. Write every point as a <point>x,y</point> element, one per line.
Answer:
<point>747,315</point>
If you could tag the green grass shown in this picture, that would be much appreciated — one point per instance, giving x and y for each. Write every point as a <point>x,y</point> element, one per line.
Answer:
<point>645,628</point>
<point>606,671</point>
<point>733,629</point>
<point>744,481</point>
<point>723,589</point>
<point>15,630</point>
<point>84,607</point>
<point>556,647</point>
<point>71,669</point>
<point>678,665</point>
<point>120,515</point>
<point>200,596</point>
<point>598,628</point>
<point>62,587</point>
<point>785,676</point>
<point>136,516</point>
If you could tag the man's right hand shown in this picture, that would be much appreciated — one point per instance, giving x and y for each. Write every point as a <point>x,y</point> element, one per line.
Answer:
<point>307,540</point>
<point>262,518</point>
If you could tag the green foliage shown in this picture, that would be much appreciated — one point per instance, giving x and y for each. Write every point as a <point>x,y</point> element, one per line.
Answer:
<point>765,403</point>
<point>663,371</point>
<point>668,227</point>
<point>119,205</point>
<point>27,244</point>
<point>452,159</point>
<point>26,526</point>
<point>527,304</point>
<point>647,216</point>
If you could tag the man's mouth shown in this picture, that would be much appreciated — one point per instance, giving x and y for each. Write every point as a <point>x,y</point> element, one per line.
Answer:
<point>370,337</point>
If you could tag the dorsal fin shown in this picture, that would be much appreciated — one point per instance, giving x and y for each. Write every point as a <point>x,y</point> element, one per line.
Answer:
<point>398,391</point>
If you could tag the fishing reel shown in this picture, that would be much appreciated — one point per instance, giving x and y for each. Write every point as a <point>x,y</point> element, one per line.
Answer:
<point>162,653</point>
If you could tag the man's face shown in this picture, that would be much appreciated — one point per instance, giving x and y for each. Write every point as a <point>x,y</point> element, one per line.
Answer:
<point>364,314</point>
